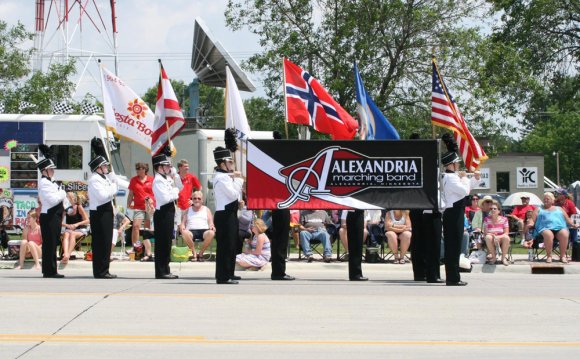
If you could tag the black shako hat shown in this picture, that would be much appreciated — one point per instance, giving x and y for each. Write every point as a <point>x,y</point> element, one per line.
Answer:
<point>97,162</point>
<point>45,164</point>
<point>451,155</point>
<point>160,159</point>
<point>221,154</point>
<point>449,158</point>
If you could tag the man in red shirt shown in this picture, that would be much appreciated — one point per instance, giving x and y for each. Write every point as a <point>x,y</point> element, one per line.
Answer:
<point>562,200</point>
<point>519,212</point>
<point>189,183</point>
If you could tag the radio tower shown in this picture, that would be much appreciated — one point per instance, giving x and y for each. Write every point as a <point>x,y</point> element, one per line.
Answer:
<point>74,28</point>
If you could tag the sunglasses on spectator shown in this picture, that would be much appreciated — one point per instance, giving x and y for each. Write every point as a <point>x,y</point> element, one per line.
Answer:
<point>494,209</point>
<point>140,168</point>
<point>197,198</point>
<point>475,199</point>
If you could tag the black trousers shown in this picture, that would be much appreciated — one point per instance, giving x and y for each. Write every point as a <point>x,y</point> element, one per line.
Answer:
<point>452,234</point>
<point>163,219</point>
<point>355,222</point>
<point>226,225</point>
<point>50,225</point>
<point>279,242</point>
<point>426,244</point>
<point>102,233</point>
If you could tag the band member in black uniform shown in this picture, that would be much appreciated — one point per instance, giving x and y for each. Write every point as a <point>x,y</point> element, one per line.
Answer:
<point>279,240</point>
<point>227,186</point>
<point>51,195</point>
<point>165,196</point>
<point>455,187</point>
<point>102,189</point>
<point>279,243</point>
<point>426,242</point>
<point>355,223</point>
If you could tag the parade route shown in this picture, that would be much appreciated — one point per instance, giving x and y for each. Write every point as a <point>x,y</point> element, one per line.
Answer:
<point>321,314</point>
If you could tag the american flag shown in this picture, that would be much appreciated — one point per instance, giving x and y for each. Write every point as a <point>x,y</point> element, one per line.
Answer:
<point>445,113</point>
<point>169,119</point>
<point>308,103</point>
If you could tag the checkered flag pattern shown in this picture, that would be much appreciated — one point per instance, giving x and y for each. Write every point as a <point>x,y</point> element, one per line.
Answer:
<point>62,107</point>
<point>89,108</point>
<point>2,107</point>
<point>24,105</point>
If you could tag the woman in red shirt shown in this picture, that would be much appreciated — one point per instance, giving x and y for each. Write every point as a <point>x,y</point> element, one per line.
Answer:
<point>141,197</point>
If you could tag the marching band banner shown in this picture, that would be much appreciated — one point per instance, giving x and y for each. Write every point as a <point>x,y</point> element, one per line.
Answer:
<point>342,174</point>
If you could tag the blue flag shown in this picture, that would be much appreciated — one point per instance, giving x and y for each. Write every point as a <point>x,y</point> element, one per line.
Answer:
<point>373,121</point>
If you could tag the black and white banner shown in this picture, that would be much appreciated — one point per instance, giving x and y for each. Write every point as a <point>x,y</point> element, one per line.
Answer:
<point>342,174</point>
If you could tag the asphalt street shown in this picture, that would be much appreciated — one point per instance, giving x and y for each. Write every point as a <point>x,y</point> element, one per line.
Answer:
<point>503,312</point>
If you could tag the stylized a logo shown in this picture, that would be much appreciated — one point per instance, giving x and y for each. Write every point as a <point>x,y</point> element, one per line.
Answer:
<point>307,177</point>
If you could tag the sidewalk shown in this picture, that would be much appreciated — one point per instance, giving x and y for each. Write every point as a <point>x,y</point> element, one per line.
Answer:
<point>520,265</point>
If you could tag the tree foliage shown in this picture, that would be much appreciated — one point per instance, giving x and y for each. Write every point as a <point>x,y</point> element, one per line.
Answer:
<point>18,86</point>
<point>392,41</point>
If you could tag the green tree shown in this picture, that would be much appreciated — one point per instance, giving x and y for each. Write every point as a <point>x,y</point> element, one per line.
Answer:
<point>557,132</point>
<point>40,89</point>
<point>392,41</point>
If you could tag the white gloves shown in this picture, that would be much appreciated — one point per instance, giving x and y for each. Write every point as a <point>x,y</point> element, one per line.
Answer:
<point>175,193</point>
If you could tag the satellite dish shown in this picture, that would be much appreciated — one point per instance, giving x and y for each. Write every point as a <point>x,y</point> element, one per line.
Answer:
<point>209,60</point>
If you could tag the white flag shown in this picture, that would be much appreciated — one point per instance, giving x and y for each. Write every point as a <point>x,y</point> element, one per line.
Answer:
<point>126,114</point>
<point>236,119</point>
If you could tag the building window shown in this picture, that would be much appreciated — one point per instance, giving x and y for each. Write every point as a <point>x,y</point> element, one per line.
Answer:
<point>503,182</point>
<point>68,157</point>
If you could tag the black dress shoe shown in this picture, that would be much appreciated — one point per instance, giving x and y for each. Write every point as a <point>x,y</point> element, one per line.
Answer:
<point>229,281</point>
<point>166,276</point>
<point>456,284</point>
<point>420,279</point>
<point>436,281</point>
<point>107,276</point>
<point>55,275</point>
<point>359,278</point>
<point>236,277</point>
<point>284,277</point>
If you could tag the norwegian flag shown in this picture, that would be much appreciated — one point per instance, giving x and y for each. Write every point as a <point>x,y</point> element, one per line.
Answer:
<point>445,113</point>
<point>168,116</point>
<point>308,103</point>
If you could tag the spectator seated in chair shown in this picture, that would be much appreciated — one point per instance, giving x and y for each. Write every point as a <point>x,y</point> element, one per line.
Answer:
<point>257,249</point>
<point>564,200</point>
<point>528,229</point>
<point>519,214</point>
<point>398,232</point>
<point>551,222</point>
<point>76,222</point>
<point>477,221</point>
<point>342,232</point>
<point>496,232</point>
<point>197,222</point>
<point>375,228</point>
<point>473,207</point>
<point>31,241</point>
<point>245,217</point>
<point>313,227</point>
